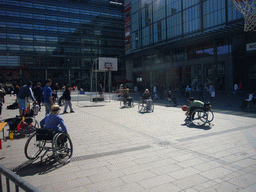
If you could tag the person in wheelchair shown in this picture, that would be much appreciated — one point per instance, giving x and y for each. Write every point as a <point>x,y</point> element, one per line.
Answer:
<point>170,98</point>
<point>146,98</point>
<point>53,120</point>
<point>127,98</point>
<point>194,104</point>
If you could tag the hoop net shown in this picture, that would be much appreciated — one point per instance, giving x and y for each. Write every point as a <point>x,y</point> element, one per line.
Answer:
<point>248,10</point>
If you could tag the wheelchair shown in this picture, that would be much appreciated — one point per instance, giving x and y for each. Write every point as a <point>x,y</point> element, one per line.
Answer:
<point>201,116</point>
<point>171,102</point>
<point>49,140</point>
<point>142,107</point>
<point>124,103</point>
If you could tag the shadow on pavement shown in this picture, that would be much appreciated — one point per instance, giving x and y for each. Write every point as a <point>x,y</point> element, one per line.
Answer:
<point>204,127</point>
<point>33,167</point>
<point>92,106</point>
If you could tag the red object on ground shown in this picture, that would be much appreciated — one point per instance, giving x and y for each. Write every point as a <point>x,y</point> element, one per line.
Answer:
<point>184,108</point>
<point>18,127</point>
<point>0,143</point>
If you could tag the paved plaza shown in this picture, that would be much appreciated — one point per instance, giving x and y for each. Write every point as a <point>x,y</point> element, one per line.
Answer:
<point>119,149</point>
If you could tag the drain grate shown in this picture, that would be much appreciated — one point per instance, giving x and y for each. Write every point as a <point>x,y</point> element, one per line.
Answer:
<point>165,143</point>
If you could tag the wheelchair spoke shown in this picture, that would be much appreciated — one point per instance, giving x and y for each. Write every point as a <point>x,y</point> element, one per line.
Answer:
<point>199,117</point>
<point>62,148</point>
<point>33,148</point>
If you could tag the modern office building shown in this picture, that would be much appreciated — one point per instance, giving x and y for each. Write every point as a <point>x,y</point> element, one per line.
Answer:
<point>174,43</point>
<point>58,39</point>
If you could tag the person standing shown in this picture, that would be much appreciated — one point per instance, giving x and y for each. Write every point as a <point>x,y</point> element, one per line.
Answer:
<point>2,94</point>
<point>212,91</point>
<point>24,93</point>
<point>67,97</point>
<point>235,88</point>
<point>48,101</point>
<point>38,92</point>
<point>16,91</point>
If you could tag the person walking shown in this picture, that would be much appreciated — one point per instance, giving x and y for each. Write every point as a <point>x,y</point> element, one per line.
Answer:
<point>2,94</point>
<point>24,93</point>
<point>48,101</point>
<point>67,97</point>
<point>38,92</point>
<point>212,91</point>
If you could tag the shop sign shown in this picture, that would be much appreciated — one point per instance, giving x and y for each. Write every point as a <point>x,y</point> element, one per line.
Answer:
<point>251,47</point>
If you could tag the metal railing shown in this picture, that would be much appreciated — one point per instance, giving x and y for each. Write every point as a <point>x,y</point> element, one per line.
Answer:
<point>16,180</point>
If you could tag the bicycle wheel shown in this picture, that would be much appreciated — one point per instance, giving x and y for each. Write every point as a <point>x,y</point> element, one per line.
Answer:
<point>199,117</point>
<point>62,148</point>
<point>210,115</point>
<point>30,128</point>
<point>33,148</point>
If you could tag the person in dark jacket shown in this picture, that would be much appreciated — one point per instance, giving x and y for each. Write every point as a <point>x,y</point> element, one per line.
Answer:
<point>38,92</point>
<point>24,93</point>
<point>67,97</point>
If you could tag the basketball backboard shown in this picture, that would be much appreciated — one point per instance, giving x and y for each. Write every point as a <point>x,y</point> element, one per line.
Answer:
<point>107,64</point>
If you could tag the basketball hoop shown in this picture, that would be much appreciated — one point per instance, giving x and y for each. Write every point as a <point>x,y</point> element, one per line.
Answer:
<point>248,10</point>
<point>109,68</point>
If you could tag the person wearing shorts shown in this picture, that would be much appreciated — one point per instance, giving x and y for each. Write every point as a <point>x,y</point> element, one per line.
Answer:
<point>48,101</point>
<point>24,93</point>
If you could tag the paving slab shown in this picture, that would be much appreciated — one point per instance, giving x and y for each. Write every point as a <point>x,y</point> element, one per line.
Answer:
<point>120,149</point>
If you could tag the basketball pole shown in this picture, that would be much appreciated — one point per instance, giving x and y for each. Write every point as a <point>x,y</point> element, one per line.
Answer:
<point>109,83</point>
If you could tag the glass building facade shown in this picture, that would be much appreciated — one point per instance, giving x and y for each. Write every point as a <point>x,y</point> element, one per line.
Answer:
<point>174,43</point>
<point>58,39</point>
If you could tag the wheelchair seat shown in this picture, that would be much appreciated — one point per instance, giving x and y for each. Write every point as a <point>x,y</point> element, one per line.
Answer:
<point>207,106</point>
<point>45,134</point>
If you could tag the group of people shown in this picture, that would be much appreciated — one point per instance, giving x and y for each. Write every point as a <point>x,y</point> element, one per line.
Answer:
<point>42,95</point>
<point>146,98</point>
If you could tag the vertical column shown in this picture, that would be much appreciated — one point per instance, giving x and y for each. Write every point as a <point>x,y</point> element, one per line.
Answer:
<point>69,81</point>
<point>46,75</point>
<point>21,77</point>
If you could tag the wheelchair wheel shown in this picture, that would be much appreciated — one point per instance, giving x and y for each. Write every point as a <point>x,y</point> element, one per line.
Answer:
<point>62,148</point>
<point>199,117</point>
<point>132,104</point>
<point>152,107</point>
<point>141,107</point>
<point>210,115</point>
<point>170,103</point>
<point>33,148</point>
<point>122,104</point>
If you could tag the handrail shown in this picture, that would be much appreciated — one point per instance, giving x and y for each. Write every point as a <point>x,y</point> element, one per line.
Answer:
<point>19,182</point>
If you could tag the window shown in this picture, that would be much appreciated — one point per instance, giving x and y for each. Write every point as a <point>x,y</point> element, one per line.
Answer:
<point>159,30</point>
<point>192,19</point>
<point>13,36</point>
<point>147,19</point>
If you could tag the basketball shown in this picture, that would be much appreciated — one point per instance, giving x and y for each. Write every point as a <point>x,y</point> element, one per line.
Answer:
<point>184,108</point>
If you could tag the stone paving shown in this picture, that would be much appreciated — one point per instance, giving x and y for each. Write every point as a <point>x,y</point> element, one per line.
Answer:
<point>119,149</point>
